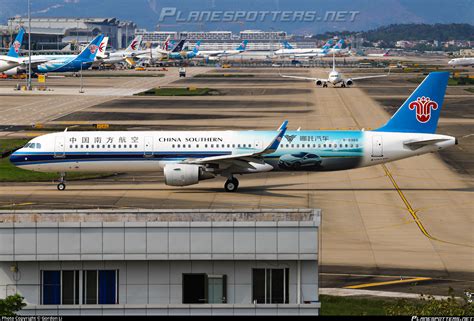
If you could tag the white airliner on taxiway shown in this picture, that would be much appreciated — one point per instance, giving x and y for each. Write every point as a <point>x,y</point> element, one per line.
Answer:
<point>334,77</point>
<point>187,157</point>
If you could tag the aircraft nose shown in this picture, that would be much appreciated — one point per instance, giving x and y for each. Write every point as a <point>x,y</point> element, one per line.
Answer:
<point>16,158</point>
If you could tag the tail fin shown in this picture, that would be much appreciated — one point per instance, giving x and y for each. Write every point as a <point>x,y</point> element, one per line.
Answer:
<point>15,46</point>
<point>102,47</point>
<point>339,44</point>
<point>420,112</point>
<point>287,45</point>
<point>242,46</point>
<point>135,44</point>
<point>328,44</point>
<point>196,46</point>
<point>167,43</point>
<point>89,52</point>
<point>179,46</point>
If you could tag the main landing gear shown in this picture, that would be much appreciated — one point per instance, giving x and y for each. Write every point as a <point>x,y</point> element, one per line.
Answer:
<point>325,85</point>
<point>62,182</point>
<point>231,184</point>
<point>343,85</point>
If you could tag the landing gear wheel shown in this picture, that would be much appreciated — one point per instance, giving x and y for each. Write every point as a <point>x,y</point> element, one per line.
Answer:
<point>61,187</point>
<point>231,185</point>
<point>325,85</point>
<point>343,85</point>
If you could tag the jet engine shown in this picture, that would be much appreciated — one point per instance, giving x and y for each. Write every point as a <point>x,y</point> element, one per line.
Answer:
<point>13,71</point>
<point>185,174</point>
<point>318,83</point>
<point>349,82</point>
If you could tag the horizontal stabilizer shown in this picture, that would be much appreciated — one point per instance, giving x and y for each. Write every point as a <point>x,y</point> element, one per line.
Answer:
<point>417,144</point>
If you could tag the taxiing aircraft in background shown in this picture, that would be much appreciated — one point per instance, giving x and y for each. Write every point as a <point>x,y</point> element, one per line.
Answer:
<point>334,77</point>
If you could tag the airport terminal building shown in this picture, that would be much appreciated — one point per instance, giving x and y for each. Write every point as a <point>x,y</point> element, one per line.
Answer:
<point>161,262</point>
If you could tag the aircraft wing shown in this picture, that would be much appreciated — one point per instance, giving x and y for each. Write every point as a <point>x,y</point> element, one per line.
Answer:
<point>417,144</point>
<point>303,78</point>
<point>373,76</point>
<point>242,160</point>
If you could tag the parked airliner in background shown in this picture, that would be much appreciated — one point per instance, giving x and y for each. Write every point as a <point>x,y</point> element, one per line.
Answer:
<point>289,51</point>
<point>384,54</point>
<point>187,157</point>
<point>462,62</point>
<point>334,77</point>
<point>218,54</point>
<point>12,59</point>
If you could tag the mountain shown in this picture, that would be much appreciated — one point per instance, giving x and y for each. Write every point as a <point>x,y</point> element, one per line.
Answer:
<point>146,13</point>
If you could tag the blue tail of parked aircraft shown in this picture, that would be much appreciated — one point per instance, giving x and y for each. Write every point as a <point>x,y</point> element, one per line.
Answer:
<point>420,112</point>
<point>339,44</point>
<point>287,45</point>
<point>242,46</point>
<point>15,46</point>
<point>196,47</point>
<point>328,44</point>
<point>88,53</point>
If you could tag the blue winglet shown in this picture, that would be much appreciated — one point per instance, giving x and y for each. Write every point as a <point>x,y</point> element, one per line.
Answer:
<point>276,141</point>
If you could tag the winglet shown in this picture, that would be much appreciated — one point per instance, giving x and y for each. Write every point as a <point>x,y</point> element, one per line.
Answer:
<point>273,146</point>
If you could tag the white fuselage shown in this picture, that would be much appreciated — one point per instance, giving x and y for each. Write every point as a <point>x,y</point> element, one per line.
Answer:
<point>133,151</point>
<point>461,62</point>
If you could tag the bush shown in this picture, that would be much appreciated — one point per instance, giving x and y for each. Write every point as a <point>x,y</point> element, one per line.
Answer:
<point>11,304</point>
<point>429,306</point>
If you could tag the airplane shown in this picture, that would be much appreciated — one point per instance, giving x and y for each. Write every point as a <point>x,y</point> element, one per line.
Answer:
<point>188,157</point>
<point>40,59</point>
<point>218,54</point>
<point>12,59</point>
<point>385,54</point>
<point>334,77</point>
<point>288,50</point>
<point>326,50</point>
<point>461,62</point>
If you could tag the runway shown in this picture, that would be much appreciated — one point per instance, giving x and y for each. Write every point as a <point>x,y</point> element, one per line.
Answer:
<point>411,217</point>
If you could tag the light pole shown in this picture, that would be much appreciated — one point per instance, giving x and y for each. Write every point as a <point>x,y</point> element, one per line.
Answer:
<point>81,89</point>
<point>28,86</point>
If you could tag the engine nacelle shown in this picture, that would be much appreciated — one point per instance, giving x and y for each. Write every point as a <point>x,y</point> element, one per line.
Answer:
<point>12,72</point>
<point>318,83</point>
<point>349,82</point>
<point>185,174</point>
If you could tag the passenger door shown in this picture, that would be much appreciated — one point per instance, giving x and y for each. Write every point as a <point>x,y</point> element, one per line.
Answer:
<point>148,147</point>
<point>377,146</point>
<point>59,147</point>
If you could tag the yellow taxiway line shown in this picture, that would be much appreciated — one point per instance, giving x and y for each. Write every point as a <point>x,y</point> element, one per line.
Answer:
<point>413,212</point>
<point>368,285</point>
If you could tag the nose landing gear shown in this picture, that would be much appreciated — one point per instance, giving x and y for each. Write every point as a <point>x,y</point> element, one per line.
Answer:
<point>62,182</point>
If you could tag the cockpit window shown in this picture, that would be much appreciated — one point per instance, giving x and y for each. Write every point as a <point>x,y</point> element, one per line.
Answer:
<point>38,145</point>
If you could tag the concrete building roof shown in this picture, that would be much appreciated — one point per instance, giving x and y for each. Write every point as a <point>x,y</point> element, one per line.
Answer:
<point>160,215</point>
